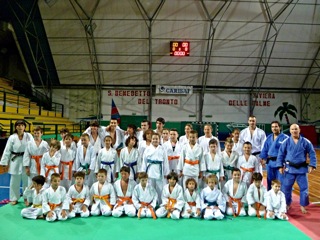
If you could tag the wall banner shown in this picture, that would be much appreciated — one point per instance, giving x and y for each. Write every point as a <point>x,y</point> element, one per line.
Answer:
<point>174,90</point>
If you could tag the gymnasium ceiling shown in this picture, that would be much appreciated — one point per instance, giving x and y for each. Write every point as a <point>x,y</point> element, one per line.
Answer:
<point>247,44</point>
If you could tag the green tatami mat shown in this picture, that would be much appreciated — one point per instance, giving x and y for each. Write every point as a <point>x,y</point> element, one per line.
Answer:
<point>13,226</point>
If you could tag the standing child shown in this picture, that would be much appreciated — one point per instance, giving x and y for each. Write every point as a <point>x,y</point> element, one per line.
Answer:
<point>191,163</point>
<point>173,148</point>
<point>184,138</point>
<point>213,203</point>
<point>63,132</point>
<point>144,197</point>
<point>203,141</point>
<point>276,202</point>
<point>155,163</point>
<point>12,157</point>
<point>79,197</point>
<point>85,159</point>
<point>55,202</point>
<point>256,197</point>
<point>237,146</point>
<point>229,159</point>
<point>130,157</point>
<point>33,154</point>
<point>192,206</point>
<point>248,164</point>
<point>103,195</point>
<point>34,192</point>
<point>108,159</point>
<point>213,160</point>
<point>50,161</point>
<point>165,136</point>
<point>235,192</point>
<point>146,141</point>
<point>172,198</point>
<point>124,189</point>
<point>67,157</point>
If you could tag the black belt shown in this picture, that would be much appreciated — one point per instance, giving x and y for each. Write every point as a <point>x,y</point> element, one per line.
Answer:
<point>256,153</point>
<point>16,154</point>
<point>297,165</point>
<point>272,158</point>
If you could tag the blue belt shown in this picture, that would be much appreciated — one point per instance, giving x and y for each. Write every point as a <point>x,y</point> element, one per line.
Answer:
<point>109,164</point>
<point>131,165</point>
<point>154,162</point>
<point>209,204</point>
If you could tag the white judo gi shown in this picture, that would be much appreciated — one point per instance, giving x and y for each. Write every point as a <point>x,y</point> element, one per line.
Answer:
<point>256,197</point>
<point>203,141</point>
<point>173,155</point>
<point>173,200</point>
<point>133,160</point>
<point>229,163</point>
<point>13,157</point>
<point>211,198</point>
<point>235,200</point>
<point>145,200</point>
<point>192,202</point>
<point>66,165</point>
<point>191,162</point>
<point>32,157</point>
<point>49,165</point>
<point>77,200</point>
<point>56,201</point>
<point>104,200</point>
<point>108,159</point>
<point>248,167</point>
<point>277,204</point>
<point>124,203</point>
<point>35,210</point>
<point>155,163</point>
<point>84,163</point>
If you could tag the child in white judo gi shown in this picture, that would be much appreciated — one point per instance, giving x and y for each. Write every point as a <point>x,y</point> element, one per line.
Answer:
<point>108,159</point>
<point>79,197</point>
<point>34,192</point>
<point>68,155</point>
<point>213,204</point>
<point>144,197</point>
<point>50,161</point>
<point>191,163</point>
<point>235,192</point>
<point>103,195</point>
<point>229,158</point>
<point>172,198</point>
<point>124,190</point>
<point>55,203</point>
<point>256,197</point>
<point>155,164</point>
<point>33,154</point>
<point>276,202</point>
<point>192,206</point>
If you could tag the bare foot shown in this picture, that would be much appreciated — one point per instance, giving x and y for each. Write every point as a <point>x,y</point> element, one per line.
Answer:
<point>13,202</point>
<point>303,210</point>
<point>26,202</point>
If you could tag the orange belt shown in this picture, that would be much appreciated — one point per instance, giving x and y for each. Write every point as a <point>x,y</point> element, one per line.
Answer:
<point>192,204</point>
<point>238,201</point>
<point>37,159</point>
<point>247,170</point>
<point>105,198</point>
<point>258,205</point>
<point>173,158</point>
<point>53,206</point>
<point>70,169</point>
<point>191,162</point>
<point>121,201</point>
<point>170,205</point>
<point>145,204</point>
<point>77,200</point>
<point>50,168</point>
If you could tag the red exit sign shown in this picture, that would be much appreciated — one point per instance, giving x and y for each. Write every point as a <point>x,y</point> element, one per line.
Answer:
<point>179,48</point>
